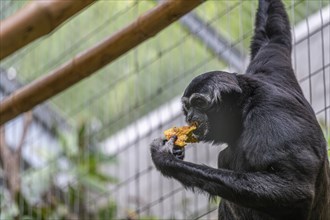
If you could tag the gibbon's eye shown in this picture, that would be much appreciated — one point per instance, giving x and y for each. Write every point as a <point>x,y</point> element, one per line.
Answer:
<point>185,109</point>
<point>199,102</point>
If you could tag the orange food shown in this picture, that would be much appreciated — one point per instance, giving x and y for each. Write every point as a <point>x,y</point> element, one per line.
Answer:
<point>184,135</point>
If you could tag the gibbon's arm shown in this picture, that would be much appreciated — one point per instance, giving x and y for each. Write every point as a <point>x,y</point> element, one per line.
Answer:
<point>257,190</point>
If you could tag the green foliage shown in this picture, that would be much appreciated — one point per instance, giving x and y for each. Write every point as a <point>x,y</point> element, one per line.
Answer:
<point>84,177</point>
<point>118,93</point>
<point>84,167</point>
<point>84,160</point>
<point>108,212</point>
<point>120,87</point>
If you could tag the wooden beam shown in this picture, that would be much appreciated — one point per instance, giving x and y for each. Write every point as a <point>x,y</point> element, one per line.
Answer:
<point>36,19</point>
<point>93,59</point>
<point>43,114</point>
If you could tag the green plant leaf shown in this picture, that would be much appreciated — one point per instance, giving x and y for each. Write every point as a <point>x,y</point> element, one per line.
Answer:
<point>105,178</point>
<point>68,144</point>
<point>92,183</point>
<point>108,212</point>
<point>81,135</point>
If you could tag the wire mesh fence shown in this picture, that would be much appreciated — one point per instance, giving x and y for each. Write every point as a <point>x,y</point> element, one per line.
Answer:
<point>94,161</point>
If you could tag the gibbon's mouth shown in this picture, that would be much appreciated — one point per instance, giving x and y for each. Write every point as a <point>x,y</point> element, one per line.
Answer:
<point>200,132</point>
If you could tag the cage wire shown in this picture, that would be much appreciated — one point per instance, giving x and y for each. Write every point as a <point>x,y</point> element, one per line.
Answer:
<point>124,106</point>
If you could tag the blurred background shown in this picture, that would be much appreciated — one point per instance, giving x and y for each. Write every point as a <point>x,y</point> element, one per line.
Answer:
<point>84,154</point>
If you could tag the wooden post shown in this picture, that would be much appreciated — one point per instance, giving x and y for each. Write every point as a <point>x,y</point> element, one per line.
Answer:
<point>87,62</point>
<point>35,20</point>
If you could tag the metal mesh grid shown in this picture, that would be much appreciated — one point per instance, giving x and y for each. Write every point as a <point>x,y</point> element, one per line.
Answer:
<point>130,102</point>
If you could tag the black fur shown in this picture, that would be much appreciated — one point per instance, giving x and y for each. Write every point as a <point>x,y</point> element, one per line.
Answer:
<point>275,165</point>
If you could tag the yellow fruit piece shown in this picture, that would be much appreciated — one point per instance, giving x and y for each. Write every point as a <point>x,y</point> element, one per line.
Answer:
<point>184,135</point>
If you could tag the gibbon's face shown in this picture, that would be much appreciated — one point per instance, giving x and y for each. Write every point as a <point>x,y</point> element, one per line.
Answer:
<point>195,108</point>
<point>203,104</point>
